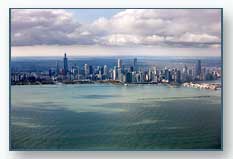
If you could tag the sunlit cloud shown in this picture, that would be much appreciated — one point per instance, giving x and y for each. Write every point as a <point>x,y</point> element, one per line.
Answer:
<point>165,28</point>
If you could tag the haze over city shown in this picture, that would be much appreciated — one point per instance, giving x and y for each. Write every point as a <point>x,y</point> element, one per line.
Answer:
<point>116,32</point>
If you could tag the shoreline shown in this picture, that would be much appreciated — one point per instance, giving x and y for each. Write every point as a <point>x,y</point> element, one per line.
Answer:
<point>199,85</point>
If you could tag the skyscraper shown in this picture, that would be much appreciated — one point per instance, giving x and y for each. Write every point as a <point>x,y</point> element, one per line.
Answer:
<point>135,64</point>
<point>167,74</point>
<point>128,77</point>
<point>105,70</point>
<point>115,73</point>
<point>185,73</point>
<point>119,63</point>
<point>198,68</point>
<point>150,74</point>
<point>177,76</point>
<point>65,61</point>
<point>91,70</point>
<point>86,70</point>
<point>119,74</point>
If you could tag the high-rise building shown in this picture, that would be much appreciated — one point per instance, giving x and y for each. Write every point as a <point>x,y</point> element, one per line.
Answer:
<point>141,77</point>
<point>128,77</point>
<point>198,68</point>
<point>185,69</point>
<point>115,73</point>
<point>119,74</point>
<point>75,72</point>
<point>65,61</point>
<point>185,73</point>
<point>119,63</point>
<point>135,64</point>
<point>134,79</point>
<point>167,75</point>
<point>131,69</point>
<point>86,70</point>
<point>177,76</point>
<point>105,70</point>
<point>105,74</point>
<point>91,69</point>
<point>50,73</point>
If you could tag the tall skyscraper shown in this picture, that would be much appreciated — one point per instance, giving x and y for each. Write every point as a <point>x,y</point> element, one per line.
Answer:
<point>198,68</point>
<point>115,73</point>
<point>91,69</point>
<point>167,74</point>
<point>50,73</point>
<point>86,70</point>
<point>185,73</point>
<point>177,76</point>
<point>150,74</point>
<point>65,61</point>
<point>105,70</point>
<point>119,63</point>
<point>75,71</point>
<point>135,64</point>
<point>119,74</point>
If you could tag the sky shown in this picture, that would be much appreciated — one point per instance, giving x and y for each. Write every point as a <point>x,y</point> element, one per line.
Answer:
<point>116,32</point>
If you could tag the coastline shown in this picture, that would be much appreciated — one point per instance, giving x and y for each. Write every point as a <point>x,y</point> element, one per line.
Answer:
<point>199,85</point>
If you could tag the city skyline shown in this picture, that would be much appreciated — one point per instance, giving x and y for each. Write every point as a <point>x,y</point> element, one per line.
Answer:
<point>120,72</point>
<point>116,32</point>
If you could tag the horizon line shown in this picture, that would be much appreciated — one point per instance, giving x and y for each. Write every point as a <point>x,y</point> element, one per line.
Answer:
<point>116,56</point>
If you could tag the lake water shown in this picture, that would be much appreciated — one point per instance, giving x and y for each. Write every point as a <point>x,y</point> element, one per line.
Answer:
<point>114,117</point>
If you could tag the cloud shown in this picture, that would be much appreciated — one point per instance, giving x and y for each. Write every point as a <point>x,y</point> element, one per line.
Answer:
<point>174,27</point>
<point>45,27</point>
<point>129,39</point>
<point>153,27</point>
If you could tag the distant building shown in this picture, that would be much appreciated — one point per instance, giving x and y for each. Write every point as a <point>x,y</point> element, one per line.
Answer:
<point>105,74</point>
<point>198,69</point>
<point>50,73</point>
<point>184,75</point>
<point>140,77</point>
<point>75,72</point>
<point>105,70</point>
<point>131,69</point>
<point>150,74</point>
<point>135,64</point>
<point>128,77</point>
<point>115,73</point>
<point>86,70</point>
<point>91,71</point>
<point>119,63</point>
<point>65,61</point>
<point>177,76</point>
<point>167,75</point>
<point>119,74</point>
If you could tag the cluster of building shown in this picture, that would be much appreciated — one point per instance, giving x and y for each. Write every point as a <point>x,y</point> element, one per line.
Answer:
<point>212,86</point>
<point>122,73</point>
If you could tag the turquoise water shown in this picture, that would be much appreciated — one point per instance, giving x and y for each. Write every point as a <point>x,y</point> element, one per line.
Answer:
<point>114,117</point>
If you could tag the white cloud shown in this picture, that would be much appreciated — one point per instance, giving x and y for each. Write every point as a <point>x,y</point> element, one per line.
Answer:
<point>162,27</point>
<point>198,38</point>
<point>42,26</point>
<point>121,39</point>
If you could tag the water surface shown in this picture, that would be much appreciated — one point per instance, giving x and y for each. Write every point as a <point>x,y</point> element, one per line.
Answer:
<point>114,117</point>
